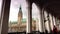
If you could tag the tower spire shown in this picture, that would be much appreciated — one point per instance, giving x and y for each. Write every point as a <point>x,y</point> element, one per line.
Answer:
<point>19,15</point>
<point>20,8</point>
<point>20,11</point>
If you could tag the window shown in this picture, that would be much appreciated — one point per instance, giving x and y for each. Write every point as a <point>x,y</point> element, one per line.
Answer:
<point>35,15</point>
<point>18,15</point>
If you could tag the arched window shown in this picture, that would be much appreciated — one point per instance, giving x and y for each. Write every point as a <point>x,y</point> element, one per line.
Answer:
<point>18,15</point>
<point>35,15</point>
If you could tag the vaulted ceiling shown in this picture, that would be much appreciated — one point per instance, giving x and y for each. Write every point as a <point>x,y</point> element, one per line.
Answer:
<point>52,6</point>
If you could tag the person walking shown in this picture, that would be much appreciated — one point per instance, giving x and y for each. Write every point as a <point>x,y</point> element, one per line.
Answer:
<point>55,30</point>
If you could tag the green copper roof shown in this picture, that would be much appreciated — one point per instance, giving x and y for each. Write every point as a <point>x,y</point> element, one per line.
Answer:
<point>23,20</point>
<point>14,22</point>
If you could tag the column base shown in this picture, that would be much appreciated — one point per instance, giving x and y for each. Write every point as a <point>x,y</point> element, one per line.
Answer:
<point>41,32</point>
<point>29,33</point>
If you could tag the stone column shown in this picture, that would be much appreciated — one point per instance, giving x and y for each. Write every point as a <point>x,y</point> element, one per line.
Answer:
<point>29,17</point>
<point>56,20</point>
<point>5,16</point>
<point>0,22</point>
<point>40,20</point>
<point>43,17</point>
<point>51,21</point>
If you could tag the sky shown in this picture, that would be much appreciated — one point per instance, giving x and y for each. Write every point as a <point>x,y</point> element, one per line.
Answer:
<point>14,9</point>
<point>0,6</point>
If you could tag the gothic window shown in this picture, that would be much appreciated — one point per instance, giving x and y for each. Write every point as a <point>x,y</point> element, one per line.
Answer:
<point>35,15</point>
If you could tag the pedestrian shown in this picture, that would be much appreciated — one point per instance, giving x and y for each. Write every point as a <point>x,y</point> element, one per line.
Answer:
<point>55,30</point>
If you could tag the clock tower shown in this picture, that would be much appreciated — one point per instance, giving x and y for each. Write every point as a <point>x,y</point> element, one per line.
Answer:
<point>19,15</point>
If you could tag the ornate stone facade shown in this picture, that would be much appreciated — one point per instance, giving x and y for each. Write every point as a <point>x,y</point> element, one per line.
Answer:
<point>20,26</point>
